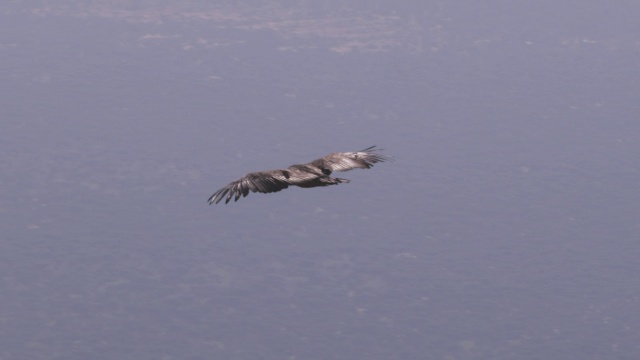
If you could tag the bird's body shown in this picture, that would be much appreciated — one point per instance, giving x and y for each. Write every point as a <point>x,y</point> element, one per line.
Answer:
<point>313,174</point>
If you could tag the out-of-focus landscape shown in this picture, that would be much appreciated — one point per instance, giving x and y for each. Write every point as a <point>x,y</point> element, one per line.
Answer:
<point>506,227</point>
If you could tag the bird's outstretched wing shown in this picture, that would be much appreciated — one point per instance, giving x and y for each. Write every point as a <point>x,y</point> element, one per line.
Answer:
<point>346,161</point>
<point>260,181</point>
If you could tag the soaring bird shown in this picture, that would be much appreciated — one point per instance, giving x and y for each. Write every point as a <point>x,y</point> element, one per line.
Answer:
<point>315,173</point>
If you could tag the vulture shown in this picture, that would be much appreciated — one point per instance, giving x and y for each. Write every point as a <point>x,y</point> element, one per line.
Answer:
<point>315,173</point>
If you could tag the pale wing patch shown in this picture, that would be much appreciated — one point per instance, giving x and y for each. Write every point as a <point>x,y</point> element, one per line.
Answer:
<point>352,160</point>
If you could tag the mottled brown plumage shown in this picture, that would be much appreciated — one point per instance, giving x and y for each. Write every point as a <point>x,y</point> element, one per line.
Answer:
<point>315,173</point>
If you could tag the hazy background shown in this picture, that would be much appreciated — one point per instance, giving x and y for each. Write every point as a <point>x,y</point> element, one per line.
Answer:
<point>507,228</point>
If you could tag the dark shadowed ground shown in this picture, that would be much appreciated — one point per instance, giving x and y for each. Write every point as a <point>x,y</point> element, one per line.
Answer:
<point>507,228</point>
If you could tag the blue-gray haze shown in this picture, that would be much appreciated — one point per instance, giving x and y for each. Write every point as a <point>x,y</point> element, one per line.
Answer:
<point>507,227</point>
